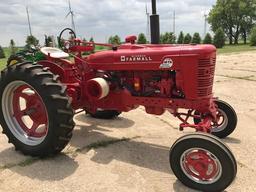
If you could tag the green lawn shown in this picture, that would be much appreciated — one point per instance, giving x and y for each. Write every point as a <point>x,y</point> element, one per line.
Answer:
<point>235,48</point>
<point>4,61</point>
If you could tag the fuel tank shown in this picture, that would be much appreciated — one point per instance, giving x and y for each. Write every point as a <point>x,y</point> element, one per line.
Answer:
<point>149,57</point>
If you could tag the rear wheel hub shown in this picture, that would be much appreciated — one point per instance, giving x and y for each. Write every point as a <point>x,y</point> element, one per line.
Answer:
<point>25,113</point>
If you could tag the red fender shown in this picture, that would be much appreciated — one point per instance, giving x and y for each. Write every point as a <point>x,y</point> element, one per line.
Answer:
<point>54,68</point>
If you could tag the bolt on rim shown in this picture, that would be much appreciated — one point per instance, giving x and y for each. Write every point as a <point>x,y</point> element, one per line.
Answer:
<point>25,113</point>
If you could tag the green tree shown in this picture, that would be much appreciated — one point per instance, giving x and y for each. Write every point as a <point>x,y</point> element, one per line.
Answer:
<point>207,39</point>
<point>234,17</point>
<point>181,38</point>
<point>187,39</point>
<point>167,38</point>
<point>196,38</point>
<point>253,37</point>
<point>115,40</point>
<point>219,38</point>
<point>13,49</point>
<point>31,41</point>
<point>91,39</point>
<point>2,54</point>
<point>142,39</point>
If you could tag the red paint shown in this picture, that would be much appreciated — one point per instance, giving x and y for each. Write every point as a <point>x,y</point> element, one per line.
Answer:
<point>200,162</point>
<point>136,78</point>
<point>34,108</point>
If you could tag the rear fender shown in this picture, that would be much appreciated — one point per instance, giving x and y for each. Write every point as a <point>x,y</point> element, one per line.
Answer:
<point>54,68</point>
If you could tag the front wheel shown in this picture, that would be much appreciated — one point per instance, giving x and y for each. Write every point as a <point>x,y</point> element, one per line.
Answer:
<point>203,162</point>
<point>227,120</point>
<point>35,111</point>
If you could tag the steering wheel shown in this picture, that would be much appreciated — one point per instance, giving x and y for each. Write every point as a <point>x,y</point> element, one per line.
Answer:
<point>65,44</point>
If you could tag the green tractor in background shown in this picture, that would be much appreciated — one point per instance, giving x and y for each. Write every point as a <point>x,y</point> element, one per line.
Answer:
<point>32,54</point>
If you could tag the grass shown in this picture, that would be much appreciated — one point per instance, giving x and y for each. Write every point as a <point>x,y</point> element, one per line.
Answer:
<point>4,61</point>
<point>104,143</point>
<point>235,49</point>
<point>26,162</point>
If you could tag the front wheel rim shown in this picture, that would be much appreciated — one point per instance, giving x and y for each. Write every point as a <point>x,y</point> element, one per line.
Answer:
<point>222,122</point>
<point>201,166</point>
<point>25,113</point>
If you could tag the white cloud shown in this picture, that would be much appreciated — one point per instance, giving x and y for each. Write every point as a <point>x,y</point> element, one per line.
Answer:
<point>97,18</point>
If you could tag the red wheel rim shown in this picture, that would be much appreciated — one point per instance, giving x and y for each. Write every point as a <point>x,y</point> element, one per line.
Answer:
<point>201,166</point>
<point>25,113</point>
<point>34,109</point>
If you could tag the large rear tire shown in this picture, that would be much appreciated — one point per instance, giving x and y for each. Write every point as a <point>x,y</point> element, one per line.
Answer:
<point>35,111</point>
<point>203,162</point>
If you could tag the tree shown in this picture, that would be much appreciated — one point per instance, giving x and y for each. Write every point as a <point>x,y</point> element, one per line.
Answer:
<point>13,49</point>
<point>31,41</point>
<point>207,39</point>
<point>181,38</point>
<point>2,55</point>
<point>142,39</point>
<point>187,39</point>
<point>115,40</point>
<point>234,17</point>
<point>196,38</point>
<point>248,8</point>
<point>253,37</point>
<point>219,38</point>
<point>167,38</point>
<point>91,39</point>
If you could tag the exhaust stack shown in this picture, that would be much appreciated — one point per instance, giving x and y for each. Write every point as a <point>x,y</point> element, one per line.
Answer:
<point>154,25</point>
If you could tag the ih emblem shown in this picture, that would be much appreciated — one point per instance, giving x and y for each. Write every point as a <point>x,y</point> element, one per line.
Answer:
<point>168,63</point>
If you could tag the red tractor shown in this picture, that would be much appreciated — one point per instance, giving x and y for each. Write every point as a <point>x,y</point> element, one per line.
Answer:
<point>38,101</point>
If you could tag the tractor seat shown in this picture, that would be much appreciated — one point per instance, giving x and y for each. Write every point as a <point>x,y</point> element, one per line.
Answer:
<point>54,52</point>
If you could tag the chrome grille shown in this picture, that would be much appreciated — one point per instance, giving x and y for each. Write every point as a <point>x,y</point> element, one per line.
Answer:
<point>205,75</point>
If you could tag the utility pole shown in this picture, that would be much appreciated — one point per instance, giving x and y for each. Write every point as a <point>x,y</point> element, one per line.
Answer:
<point>154,25</point>
<point>174,22</point>
<point>148,23</point>
<point>205,24</point>
<point>29,25</point>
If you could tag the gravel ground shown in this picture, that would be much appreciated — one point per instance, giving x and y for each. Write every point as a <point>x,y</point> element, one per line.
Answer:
<point>130,153</point>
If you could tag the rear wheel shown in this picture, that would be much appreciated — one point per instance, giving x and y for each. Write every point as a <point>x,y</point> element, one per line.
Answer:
<point>14,59</point>
<point>35,112</point>
<point>227,120</point>
<point>203,162</point>
<point>104,114</point>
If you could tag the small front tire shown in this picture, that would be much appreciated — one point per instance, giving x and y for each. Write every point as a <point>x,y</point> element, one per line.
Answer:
<point>203,162</point>
<point>227,120</point>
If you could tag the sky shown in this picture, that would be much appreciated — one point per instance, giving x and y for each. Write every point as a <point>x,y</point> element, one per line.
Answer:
<point>97,18</point>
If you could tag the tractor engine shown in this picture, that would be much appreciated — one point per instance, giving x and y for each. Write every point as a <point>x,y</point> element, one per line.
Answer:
<point>141,84</point>
<point>150,83</point>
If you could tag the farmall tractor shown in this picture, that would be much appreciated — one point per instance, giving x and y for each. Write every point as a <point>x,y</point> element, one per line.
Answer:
<point>39,100</point>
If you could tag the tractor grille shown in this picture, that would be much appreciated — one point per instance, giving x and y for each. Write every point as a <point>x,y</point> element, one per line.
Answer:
<point>206,69</point>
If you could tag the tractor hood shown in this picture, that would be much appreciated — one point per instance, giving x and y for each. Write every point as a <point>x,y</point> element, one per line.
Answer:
<point>148,57</point>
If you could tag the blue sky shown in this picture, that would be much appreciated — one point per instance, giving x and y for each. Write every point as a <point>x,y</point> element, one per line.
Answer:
<point>97,18</point>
